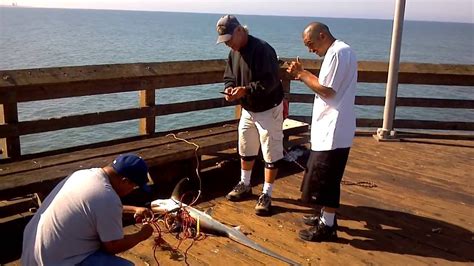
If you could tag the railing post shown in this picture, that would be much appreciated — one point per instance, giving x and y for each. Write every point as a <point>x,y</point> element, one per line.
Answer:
<point>10,146</point>
<point>147,99</point>
<point>387,132</point>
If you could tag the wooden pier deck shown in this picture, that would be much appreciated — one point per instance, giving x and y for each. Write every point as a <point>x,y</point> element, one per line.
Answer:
<point>419,213</point>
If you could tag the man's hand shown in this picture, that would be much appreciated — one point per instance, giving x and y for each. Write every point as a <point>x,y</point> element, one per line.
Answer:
<point>235,93</point>
<point>142,214</point>
<point>296,68</point>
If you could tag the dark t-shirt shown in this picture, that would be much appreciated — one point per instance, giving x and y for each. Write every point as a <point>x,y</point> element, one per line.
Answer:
<point>256,67</point>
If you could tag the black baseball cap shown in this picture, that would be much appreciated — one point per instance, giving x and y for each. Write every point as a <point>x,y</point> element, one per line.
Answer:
<point>225,27</point>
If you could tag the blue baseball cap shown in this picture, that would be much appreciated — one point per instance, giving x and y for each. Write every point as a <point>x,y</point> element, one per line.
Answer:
<point>225,27</point>
<point>134,168</point>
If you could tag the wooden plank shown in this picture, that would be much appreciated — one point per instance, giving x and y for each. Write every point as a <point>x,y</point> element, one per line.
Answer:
<point>44,125</point>
<point>91,152</point>
<point>435,103</point>
<point>41,173</point>
<point>51,83</point>
<point>147,124</point>
<point>94,73</point>
<point>379,225</point>
<point>427,124</point>
<point>360,122</point>
<point>56,91</point>
<point>409,73</point>
<point>173,108</point>
<point>43,179</point>
<point>405,123</point>
<point>9,144</point>
<point>401,101</point>
<point>417,215</point>
<point>85,88</point>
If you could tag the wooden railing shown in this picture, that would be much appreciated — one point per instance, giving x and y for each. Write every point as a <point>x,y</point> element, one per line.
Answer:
<point>17,86</point>
<point>410,73</point>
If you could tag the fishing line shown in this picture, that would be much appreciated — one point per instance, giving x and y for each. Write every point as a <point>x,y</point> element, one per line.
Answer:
<point>197,163</point>
<point>177,222</point>
<point>366,184</point>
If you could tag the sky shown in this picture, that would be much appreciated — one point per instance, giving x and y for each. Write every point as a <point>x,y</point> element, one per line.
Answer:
<point>427,10</point>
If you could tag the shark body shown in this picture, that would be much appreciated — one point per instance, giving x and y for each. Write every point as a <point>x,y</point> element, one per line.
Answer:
<point>209,224</point>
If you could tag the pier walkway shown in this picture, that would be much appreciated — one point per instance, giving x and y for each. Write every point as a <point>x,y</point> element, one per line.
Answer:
<point>415,208</point>
<point>420,212</point>
<point>403,203</point>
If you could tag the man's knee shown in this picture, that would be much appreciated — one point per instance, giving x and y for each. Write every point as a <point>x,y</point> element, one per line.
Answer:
<point>248,158</point>
<point>273,165</point>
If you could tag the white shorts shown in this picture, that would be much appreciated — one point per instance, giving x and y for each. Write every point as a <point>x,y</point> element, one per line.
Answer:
<point>263,129</point>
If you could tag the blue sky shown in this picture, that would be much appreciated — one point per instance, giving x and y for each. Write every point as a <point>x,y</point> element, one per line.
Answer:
<point>430,10</point>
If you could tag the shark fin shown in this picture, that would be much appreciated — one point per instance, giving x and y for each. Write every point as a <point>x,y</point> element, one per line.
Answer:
<point>178,190</point>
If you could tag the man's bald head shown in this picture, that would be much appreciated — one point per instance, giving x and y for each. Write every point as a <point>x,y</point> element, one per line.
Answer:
<point>318,38</point>
<point>314,28</point>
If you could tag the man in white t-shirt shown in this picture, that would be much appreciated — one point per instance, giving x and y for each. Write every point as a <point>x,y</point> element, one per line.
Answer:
<point>80,221</point>
<point>332,128</point>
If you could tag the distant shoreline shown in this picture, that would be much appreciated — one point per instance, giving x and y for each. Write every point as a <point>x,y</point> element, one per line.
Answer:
<point>208,13</point>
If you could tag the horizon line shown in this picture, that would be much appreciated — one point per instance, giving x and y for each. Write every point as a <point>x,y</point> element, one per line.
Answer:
<point>212,13</point>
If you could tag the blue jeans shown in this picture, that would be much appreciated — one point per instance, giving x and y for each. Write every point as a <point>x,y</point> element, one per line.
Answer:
<point>102,258</point>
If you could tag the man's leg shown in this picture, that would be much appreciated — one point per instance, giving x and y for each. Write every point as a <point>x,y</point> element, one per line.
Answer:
<point>246,167</point>
<point>102,258</point>
<point>270,175</point>
<point>269,126</point>
<point>326,170</point>
<point>248,150</point>
<point>243,189</point>
<point>264,203</point>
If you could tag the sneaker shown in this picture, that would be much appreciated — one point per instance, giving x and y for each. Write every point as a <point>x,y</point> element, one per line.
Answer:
<point>319,233</point>
<point>264,205</point>
<point>239,192</point>
<point>313,220</point>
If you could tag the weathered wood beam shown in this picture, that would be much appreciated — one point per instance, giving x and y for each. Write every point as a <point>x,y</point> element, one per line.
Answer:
<point>427,124</point>
<point>51,83</point>
<point>401,101</point>
<point>44,125</point>
<point>9,144</point>
<point>94,73</point>
<point>174,108</point>
<point>409,73</point>
<point>95,151</point>
<point>406,123</point>
<point>146,97</point>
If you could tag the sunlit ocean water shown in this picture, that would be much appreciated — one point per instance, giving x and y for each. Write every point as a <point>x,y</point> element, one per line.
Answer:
<point>34,38</point>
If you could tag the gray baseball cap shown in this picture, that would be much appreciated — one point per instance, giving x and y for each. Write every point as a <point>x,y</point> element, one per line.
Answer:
<point>225,27</point>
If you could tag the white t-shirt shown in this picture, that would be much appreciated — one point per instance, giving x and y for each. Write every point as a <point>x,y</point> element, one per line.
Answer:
<point>333,124</point>
<point>81,212</point>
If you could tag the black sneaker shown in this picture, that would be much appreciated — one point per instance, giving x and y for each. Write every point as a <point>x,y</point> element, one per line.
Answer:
<point>313,220</point>
<point>264,205</point>
<point>239,192</point>
<point>319,233</point>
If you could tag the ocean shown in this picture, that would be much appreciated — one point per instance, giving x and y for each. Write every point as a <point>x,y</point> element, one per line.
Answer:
<point>34,38</point>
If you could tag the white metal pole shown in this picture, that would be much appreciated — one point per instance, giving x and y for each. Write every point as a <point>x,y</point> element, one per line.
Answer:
<point>387,132</point>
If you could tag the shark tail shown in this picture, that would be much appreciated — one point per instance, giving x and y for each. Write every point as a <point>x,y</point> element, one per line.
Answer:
<point>239,237</point>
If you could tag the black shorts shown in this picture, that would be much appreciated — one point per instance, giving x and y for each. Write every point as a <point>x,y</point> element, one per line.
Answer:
<point>322,179</point>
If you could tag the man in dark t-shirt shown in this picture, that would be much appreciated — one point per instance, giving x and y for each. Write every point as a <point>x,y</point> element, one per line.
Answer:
<point>251,77</point>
